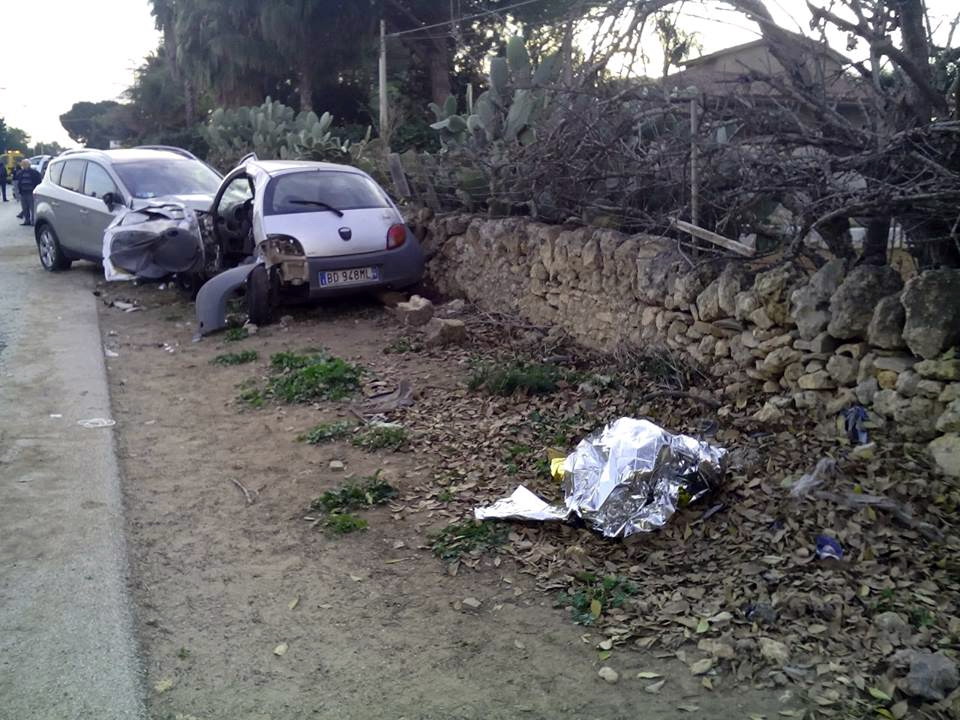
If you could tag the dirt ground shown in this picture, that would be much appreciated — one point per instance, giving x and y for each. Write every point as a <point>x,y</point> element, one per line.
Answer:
<point>373,622</point>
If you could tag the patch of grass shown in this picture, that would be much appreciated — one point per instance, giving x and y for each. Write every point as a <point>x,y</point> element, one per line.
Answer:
<point>253,397</point>
<point>304,378</point>
<point>595,595</point>
<point>403,345</point>
<point>558,432</point>
<point>382,437</point>
<point>236,334</point>
<point>325,432</point>
<point>373,491</point>
<point>344,523</point>
<point>505,378</point>
<point>467,537</point>
<point>240,358</point>
<point>445,495</point>
<point>173,318</point>
<point>514,456</point>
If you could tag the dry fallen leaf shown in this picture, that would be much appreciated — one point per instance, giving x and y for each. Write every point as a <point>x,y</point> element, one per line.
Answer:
<point>648,675</point>
<point>655,687</point>
<point>293,603</point>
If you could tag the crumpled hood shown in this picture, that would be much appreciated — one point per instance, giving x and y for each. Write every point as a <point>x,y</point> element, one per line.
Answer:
<point>197,203</point>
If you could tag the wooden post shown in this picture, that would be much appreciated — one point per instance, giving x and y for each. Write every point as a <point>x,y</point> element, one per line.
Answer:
<point>694,170</point>
<point>384,114</point>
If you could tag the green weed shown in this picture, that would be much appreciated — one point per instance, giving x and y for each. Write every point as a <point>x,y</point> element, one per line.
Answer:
<point>467,537</point>
<point>239,358</point>
<point>236,334</point>
<point>304,378</point>
<point>373,491</point>
<point>183,653</point>
<point>506,378</point>
<point>344,523</point>
<point>382,437</point>
<point>403,345</point>
<point>595,595</point>
<point>252,397</point>
<point>325,432</point>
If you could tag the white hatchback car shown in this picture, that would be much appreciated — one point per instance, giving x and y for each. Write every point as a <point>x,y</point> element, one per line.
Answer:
<point>313,230</point>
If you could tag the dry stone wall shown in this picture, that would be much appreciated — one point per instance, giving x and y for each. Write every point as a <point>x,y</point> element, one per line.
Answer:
<point>820,342</point>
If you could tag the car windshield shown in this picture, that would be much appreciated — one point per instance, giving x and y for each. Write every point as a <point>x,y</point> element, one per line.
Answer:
<point>147,179</point>
<point>321,191</point>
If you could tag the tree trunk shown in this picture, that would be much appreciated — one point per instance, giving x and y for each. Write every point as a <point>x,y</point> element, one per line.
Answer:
<point>189,101</point>
<point>306,87</point>
<point>438,66</point>
<point>875,243</point>
<point>915,47</point>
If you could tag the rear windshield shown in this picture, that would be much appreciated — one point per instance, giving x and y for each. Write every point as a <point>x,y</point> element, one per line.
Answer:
<point>313,190</point>
<point>147,179</point>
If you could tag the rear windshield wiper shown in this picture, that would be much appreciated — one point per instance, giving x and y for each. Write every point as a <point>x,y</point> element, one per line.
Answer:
<point>318,203</point>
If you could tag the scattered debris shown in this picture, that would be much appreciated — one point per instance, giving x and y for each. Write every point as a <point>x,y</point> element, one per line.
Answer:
<point>471,602</point>
<point>107,352</point>
<point>828,548</point>
<point>93,423</point>
<point>388,402</point>
<point>825,470</point>
<point>628,478</point>
<point>281,649</point>
<point>251,497</point>
<point>337,465</point>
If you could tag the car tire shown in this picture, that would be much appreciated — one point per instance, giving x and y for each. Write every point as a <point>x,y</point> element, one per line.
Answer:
<point>259,300</point>
<point>48,247</point>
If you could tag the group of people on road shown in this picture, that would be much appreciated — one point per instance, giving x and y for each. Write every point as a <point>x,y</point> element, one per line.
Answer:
<point>25,180</point>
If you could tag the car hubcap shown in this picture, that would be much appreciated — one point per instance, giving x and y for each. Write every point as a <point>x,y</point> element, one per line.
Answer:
<point>46,248</point>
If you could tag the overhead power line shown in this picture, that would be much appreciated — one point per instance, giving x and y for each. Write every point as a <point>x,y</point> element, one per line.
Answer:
<point>446,23</point>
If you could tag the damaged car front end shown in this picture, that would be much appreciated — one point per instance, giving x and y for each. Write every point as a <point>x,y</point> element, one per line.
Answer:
<point>313,230</point>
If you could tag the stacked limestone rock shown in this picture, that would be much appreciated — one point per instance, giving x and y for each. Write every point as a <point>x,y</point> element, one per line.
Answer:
<point>818,343</point>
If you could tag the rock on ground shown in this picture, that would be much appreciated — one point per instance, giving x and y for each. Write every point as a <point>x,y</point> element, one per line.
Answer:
<point>946,453</point>
<point>932,305</point>
<point>416,311</point>
<point>932,676</point>
<point>440,332</point>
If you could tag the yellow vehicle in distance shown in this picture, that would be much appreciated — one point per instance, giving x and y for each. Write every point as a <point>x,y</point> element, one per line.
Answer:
<point>11,159</point>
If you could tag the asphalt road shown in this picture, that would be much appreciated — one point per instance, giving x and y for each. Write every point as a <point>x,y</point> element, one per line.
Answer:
<point>67,647</point>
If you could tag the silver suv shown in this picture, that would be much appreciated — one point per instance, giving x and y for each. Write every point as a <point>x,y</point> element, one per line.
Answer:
<point>84,190</point>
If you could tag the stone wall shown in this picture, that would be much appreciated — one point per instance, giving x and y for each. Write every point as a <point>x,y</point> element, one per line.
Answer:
<point>817,341</point>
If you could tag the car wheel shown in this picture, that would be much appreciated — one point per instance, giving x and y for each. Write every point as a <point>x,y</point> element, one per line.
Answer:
<point>259,301</point>
<point>51,254</point>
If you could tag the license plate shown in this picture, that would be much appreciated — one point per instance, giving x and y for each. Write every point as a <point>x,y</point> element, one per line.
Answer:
<point>350,276</point>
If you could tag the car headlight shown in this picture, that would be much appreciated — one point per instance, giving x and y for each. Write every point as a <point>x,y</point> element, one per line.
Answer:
<point>283,245</point>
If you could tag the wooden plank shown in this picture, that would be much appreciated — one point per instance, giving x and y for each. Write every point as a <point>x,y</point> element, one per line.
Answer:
<point>709,236</point>
<point>398,176</point>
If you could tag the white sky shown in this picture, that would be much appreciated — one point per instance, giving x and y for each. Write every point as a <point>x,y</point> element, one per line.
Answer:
<point>88,50</point>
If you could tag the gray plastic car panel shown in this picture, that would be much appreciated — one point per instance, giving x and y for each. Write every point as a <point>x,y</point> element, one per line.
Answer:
<point>213,296</point>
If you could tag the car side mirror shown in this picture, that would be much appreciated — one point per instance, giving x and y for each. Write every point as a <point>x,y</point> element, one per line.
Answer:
<point>111,200</point>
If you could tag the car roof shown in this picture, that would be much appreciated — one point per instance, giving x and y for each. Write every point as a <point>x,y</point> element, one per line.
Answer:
<point>275,167</point>
<point>122,155</point>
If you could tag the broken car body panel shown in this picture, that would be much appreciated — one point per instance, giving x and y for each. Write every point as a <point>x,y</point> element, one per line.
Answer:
<point>212,298</point>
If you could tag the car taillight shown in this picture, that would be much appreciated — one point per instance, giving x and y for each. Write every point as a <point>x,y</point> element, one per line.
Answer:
<point>396,236</point>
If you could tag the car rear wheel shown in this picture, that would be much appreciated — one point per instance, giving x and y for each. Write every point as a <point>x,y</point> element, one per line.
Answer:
<point>259,297</point>
<point>51,254</point>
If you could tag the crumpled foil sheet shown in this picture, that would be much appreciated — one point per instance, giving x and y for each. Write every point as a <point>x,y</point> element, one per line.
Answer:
<point>625,479</point>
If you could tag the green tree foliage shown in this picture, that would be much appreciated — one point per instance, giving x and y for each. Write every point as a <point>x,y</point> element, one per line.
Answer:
<point>13,138</point>
<point>96,124</point>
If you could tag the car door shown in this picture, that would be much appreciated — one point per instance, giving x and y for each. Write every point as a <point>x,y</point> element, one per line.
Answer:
<point>96,216</point>
<point>65,202</point>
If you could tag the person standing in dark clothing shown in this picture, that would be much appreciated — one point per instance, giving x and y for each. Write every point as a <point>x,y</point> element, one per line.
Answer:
<point>3,180</point>
<point>27,180</point>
